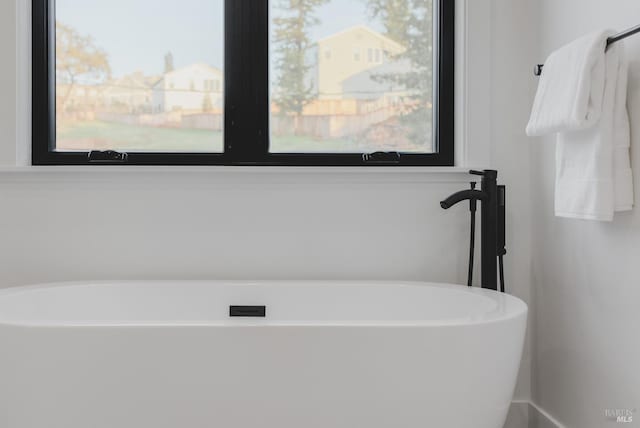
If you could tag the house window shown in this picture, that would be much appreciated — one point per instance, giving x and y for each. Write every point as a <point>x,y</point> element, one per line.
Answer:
<point>356,54</point>
<point>212,85</point>
<point>287,108</point>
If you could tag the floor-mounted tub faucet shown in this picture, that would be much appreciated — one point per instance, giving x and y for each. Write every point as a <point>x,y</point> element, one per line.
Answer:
<point>492,242</point>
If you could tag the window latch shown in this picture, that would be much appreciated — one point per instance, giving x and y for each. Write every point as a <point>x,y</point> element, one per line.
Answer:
<point>107,156</point>
<point>378,158</point>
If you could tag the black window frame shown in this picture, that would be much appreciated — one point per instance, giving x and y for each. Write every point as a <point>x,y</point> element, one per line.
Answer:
<point>246,104</point>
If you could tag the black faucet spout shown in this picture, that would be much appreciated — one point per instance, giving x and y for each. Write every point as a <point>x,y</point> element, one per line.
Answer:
<point>463,195</point>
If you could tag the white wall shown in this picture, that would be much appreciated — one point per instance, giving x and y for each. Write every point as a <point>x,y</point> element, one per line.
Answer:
<point>203,223</point>
<point>514,36</point>
<point>586,287</point>
<point>7,80</point>
<point>60,226</point>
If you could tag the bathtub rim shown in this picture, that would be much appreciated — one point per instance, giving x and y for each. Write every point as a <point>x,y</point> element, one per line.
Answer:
<point>516,308</point>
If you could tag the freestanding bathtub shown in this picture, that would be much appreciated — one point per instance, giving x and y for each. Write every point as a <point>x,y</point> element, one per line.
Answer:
<point>325,355</point>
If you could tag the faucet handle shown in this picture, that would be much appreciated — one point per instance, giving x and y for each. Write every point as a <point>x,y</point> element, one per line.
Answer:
<point>489,174</point>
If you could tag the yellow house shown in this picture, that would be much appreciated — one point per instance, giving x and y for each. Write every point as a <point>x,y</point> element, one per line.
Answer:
<point>347,53</point>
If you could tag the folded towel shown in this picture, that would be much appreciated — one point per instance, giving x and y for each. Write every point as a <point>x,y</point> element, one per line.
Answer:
<point>571,87</point>
<point>582,97</point>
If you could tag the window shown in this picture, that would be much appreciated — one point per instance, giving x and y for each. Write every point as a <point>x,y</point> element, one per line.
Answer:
<point>356,54</point>
<point>211,85</point>
<point>218,83</point>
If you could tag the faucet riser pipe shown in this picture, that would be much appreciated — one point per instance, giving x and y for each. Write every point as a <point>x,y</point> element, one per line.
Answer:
<point>489,244</point>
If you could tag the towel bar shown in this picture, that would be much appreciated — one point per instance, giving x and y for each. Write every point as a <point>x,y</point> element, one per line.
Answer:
<point>537,70</point>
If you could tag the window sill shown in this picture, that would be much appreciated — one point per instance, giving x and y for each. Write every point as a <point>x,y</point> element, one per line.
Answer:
<point>234,174</point>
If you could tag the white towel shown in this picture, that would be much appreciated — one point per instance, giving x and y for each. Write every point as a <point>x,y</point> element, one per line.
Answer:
<point>582,97</point>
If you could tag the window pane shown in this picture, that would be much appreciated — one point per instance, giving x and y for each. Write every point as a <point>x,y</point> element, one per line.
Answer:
<point>139,75</point>
<point>351,76</point>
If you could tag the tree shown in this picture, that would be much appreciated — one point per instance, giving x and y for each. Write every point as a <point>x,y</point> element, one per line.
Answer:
<point>419,80</point>
<point>77,57</point>
<point>168,63</point>
<point>292,43</point>
<point>394,15</point>
<point>410,23</point>
<point>207,104</point>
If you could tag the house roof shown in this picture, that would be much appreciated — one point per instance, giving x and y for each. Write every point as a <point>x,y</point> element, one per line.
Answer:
<point>366,85</point>
<point>132,81</point>
<point>198,65</point>
<point>367,29</point>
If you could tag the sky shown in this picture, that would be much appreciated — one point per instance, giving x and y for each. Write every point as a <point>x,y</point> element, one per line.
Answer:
<point>137,34</point>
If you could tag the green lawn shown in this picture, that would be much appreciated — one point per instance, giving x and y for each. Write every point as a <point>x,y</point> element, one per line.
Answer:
<point>297,144</point>
<point>107,135</point>
<point>128,138</point>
